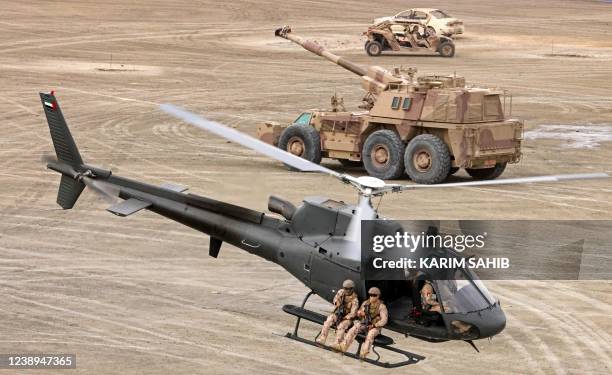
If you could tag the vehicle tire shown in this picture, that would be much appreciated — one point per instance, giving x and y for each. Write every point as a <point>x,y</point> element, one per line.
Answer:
<point>427,159</point>
<point>453,170</point>
<point>382,155</point>
<point>446,49</point>
<point>374,48</point>
<point>346,163</point>
<point>431,31</point>
<point>301,140</point>
<point>487,173</point>
<point>367,43</point>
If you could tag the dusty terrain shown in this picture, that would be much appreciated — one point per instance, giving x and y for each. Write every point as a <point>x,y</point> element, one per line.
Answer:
<point>140,295</point>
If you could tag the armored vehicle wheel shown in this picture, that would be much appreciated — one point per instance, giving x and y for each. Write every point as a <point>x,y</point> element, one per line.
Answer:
<point>374,48</point>
<point>301,140</point>
<point>383,155</point>
<point>446,49</point>
<point>427,159</point>
<point>346,163</point>
<point>487,173</point>
<point>367,43</point>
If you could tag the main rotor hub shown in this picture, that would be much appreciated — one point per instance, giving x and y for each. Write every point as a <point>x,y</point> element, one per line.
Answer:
<point>369,182</point>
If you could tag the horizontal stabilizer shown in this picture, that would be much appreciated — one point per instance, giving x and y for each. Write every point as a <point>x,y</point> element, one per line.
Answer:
<point>173,187</point>
<point>128,207</point>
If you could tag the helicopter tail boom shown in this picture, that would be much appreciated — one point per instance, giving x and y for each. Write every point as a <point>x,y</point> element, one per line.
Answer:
<point>224,222</point>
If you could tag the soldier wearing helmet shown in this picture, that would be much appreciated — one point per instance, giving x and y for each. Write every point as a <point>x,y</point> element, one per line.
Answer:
<point>373,317</point>
<point>346,303</point>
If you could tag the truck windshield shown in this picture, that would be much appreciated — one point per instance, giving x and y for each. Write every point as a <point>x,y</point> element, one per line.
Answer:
<point>466,293</point>
<point>304,118</point>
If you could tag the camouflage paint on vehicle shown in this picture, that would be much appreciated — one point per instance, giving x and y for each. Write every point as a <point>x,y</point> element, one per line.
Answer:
<point>471,121</point>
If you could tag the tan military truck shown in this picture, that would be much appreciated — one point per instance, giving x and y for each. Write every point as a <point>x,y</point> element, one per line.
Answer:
<point>427,128</point>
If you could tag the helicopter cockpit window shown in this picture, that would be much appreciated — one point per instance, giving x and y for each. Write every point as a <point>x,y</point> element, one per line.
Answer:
<point>304,119</point>
<point>464,294</point>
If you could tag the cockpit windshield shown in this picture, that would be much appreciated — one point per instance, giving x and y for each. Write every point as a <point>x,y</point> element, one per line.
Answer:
<point>465,294</point>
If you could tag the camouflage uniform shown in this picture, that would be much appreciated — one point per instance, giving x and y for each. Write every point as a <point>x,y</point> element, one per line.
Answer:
<point>428,302</point>
<point>378,318</point>
<point>351,303</point>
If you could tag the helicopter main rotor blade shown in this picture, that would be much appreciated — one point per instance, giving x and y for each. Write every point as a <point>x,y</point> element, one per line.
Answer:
<point>48,158</point>
<point>246,140</point>
<point>510,181</point>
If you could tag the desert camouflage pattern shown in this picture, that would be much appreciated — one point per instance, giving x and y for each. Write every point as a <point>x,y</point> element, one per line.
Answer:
<point>351,304</point>
<point>340,329</point>
<point>378,310</point>
<point>472,121</point>
<point>269,132</point>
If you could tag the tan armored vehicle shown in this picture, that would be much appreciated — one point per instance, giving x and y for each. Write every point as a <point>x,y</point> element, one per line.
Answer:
<point>410,38</point>
<point>427,127</point>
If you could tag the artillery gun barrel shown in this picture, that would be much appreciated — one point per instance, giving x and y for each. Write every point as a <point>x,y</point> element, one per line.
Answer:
<point>285,32</point>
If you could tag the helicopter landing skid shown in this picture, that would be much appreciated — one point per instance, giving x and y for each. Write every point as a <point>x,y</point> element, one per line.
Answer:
<point>382,341</point>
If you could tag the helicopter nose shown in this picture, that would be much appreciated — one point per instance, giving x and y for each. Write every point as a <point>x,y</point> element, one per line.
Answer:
<point>480,324</point>
<point>492,321</point>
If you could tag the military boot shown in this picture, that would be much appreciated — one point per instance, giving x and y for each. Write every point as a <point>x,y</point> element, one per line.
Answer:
<point>321,340</point>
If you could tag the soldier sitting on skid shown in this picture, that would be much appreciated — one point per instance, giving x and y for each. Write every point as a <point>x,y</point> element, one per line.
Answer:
<point>346,304</point>
<point>373,317</point>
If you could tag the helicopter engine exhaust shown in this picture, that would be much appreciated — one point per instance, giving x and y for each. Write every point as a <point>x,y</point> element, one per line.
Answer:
<point>280,206</point>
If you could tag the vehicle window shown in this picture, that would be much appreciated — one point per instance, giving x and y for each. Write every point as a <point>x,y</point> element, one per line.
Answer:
<point>404,14</point>
<point>406,104</point>
<point>440,14</point>
<point>304,118</point>
<point>463,295</point>
<point>419,16</point>
<point>493,106</point>
<point>396,102</point>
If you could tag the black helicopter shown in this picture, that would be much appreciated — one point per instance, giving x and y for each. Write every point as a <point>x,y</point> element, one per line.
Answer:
<point>316,242</point>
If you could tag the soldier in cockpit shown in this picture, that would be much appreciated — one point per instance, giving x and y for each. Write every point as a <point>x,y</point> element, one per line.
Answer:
<point>429,301</point>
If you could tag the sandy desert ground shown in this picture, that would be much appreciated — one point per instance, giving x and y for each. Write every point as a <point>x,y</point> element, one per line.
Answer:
<point>140,294</point>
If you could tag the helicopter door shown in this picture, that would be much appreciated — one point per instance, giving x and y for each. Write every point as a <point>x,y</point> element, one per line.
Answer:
<point>326,277</point>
